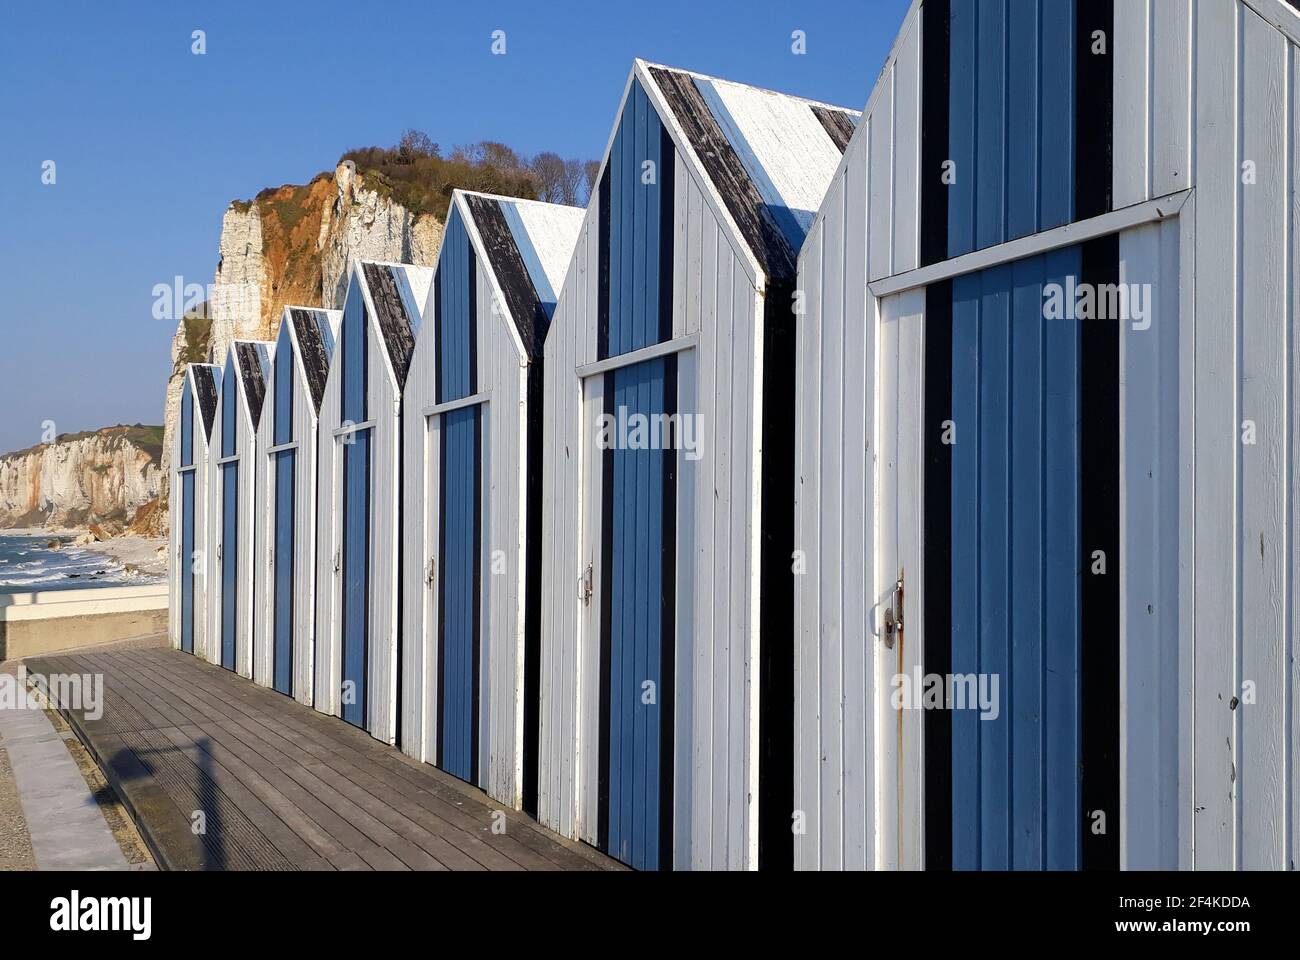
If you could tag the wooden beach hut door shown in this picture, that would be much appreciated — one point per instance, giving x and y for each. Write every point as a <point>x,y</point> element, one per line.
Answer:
<point>459,594</point>
<point>228,545</point>
<point>283,470</point>
<point>458,428</point>
<point>353,561</point>
<point>1022,566</point>
<point>185,561</point>
<point>638,564</point>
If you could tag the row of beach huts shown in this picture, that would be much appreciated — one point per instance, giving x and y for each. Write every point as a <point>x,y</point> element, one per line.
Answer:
<point>912,488</point>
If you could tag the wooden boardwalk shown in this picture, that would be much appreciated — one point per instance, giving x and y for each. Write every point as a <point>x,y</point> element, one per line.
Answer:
<point>279,786</point>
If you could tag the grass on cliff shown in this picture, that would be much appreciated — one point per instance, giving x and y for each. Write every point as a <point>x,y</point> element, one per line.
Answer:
<point>146,437</point>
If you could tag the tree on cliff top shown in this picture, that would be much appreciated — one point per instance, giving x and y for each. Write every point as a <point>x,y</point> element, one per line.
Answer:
<point>416,174</point>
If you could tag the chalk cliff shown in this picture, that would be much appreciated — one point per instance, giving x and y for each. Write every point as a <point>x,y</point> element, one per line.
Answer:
<point>290,245</point>
<point>107,476</point>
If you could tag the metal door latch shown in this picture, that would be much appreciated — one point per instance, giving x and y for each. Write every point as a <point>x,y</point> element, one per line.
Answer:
<point>429,573</point>
<point>584,587</point>
<point>894,613</point>
<point>336,561</point>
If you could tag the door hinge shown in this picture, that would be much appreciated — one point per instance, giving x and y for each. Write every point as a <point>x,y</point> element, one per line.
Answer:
<point>894,612</point>
<point>584,587</point>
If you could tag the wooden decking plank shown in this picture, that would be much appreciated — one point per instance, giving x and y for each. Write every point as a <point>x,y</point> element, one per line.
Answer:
<point>290,788</point>
<point>370,818</point>
<point>475,852</point>
<point>525,843</point>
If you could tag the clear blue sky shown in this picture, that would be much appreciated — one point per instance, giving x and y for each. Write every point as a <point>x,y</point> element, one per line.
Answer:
<point>152,142</point>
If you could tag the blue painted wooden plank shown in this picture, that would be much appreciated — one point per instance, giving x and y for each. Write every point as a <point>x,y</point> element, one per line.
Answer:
<point>284,379</point>
<point>187,425</point>
<point>1022,688</point>
<point>994,557</point>
<point>964,25</point>
<point>187,561</point>
<point>285,510</point>
<point>636,649</point>
<point>1016,565</point>
<point>627,225</point>
<point>636,320</point>
<point>640,465</point>
<point>991,125</point>
<point>1023,139</point>
<point>460,595</point>
<point>229,407</point>
<point>1057,107</point>
<point>612,224</point>
<point>229,562</point>
<point>966,759</point>
<point>356,572</point>
<point>653,228</point>
<point>355,347</point>
<point>618,550</point>
<point>1063,599</point>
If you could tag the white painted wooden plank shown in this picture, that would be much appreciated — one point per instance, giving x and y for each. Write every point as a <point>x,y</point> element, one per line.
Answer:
<point>909,493</point>
<point>859,556</point>
<point>906,245</point>
<point>1218,426</point>
<point>888,561</point>
<point>696,240</point>
<point>685,689</point>
<point>748,675</point>
<point>881,184</point>
<point>709,627</point>
<point>723,752</point>
<point>1261,763</point>
<point>836,371</point>
<point>1170,99</point>
<point>1149,536</point>
<point>681,243</point>
<point>1292,719</point>
<point>1131,45</point>
<point>807,581</point>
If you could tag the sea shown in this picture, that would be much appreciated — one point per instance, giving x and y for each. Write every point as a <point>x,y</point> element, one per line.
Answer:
<point>29,563</point>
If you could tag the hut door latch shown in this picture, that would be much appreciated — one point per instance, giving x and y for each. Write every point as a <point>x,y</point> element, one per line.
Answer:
<point>584,587</point>
<point>430,573</point>
<point>894,613</point>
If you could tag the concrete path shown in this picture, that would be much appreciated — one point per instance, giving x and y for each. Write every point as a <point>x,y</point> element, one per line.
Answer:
<point>68,832</point>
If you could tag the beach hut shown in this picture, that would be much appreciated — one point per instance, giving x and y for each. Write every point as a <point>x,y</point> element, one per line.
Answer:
<point>359,475</point>
<point>1046,447</point>
<point>667,521</point>
<point>232,503</point>
<point>284,576</point>
<point>187,582</point>
<point>472,493</point>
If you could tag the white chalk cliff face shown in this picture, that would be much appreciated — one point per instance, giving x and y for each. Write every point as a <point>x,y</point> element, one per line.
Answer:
<point>265,266</point>
<point>362,223</point>
<point>88,478</point>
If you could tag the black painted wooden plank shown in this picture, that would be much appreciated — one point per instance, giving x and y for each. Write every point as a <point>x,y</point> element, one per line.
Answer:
<point>837,124</point>
<point>311,348</point>
<point>396,328</point>
<point>512,275</point>
<point>728,175</point>
<point>250,366</point>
